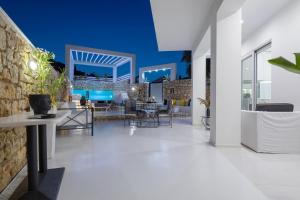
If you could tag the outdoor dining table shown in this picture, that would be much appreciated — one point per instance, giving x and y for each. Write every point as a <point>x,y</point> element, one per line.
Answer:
<point>43,183</point>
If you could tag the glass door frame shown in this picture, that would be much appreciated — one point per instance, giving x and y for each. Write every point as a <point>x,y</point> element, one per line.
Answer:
<point>253,56</point>
<point>249,56</point>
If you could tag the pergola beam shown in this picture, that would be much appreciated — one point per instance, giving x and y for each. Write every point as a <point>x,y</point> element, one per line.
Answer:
<point>103,56</point>
<point>114,60</point>
<point>123,62</point>
<point>92,57</point>
<point>93,64</point>
<point>108,61</point>
<point>104,61</point>
<point>98,58</point>
<point>119,61</point>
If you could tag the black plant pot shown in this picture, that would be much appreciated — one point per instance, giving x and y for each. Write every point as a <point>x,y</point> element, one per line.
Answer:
<point>82,102</point>
<point>40,103</point>
<point>207,112</point>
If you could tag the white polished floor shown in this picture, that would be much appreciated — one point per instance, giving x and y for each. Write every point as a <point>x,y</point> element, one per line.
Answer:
<point>168,163</point>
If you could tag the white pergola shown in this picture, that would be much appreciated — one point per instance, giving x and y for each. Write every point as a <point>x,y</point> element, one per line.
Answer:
<point>156,68</point>
<point>100,58</point>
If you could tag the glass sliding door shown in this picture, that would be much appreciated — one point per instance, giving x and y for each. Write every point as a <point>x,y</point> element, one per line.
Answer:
<point>263,74</point>
<point>256,78</point>
<point>247,82</point>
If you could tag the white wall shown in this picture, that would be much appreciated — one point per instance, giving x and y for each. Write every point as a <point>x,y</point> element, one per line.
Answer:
<point>284,31</point>
<point>199,88</point>
<point>225,81</point>
<point>199,77</point>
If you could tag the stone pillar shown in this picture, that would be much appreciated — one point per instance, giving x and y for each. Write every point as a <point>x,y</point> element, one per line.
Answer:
<point>226,81</point>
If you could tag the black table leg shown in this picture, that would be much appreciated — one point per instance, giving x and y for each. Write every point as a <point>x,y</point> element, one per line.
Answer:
<point>42,149</point>
<point>92,121</point>
<point>32,158</point>
<point>44,185</point>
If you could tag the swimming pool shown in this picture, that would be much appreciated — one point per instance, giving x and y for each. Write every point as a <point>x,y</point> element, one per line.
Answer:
<point>95,95</point>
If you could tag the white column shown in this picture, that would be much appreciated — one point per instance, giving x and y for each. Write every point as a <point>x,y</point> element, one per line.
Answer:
<point>71,70</point>
<point>115,74</point>
<point>226,81</point>
<point>132,69</point>
<point>199,88</point>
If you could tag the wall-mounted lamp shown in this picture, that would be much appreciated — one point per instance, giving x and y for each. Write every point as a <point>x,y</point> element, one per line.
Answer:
<point>33,65</point>
<point>242,21</point>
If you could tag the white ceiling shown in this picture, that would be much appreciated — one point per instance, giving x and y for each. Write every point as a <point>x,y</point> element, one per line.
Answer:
<point>255,13</point>
<point>179,24</point>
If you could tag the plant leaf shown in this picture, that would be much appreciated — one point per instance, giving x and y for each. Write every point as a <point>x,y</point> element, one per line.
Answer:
<point>297,56</point>
<point>285,64</point>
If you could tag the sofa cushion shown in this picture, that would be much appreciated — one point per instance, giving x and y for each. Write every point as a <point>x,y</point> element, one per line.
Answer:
<point>275,107</point>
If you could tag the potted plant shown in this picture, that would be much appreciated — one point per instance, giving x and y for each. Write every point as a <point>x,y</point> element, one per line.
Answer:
<point>206,103</point>
<point>83,101</point>
<point>55,86</point>
<point>46,85</point>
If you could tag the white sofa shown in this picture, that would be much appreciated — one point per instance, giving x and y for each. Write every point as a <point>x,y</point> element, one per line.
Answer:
<point>271,132</point>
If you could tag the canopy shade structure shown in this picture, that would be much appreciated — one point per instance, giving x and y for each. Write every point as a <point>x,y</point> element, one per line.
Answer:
<point>156,68</point>
<point>100,58</point>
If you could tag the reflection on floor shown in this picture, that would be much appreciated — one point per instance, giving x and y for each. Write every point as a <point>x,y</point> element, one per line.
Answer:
<point>168,163</point>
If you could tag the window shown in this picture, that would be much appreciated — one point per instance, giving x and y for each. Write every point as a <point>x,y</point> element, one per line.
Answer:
<point>256,78</point>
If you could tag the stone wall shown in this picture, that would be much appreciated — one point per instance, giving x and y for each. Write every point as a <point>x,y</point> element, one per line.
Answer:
<point>15,85</point>
<point>178,89</point>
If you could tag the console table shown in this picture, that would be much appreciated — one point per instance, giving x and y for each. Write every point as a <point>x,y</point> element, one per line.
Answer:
<point>43,183</point>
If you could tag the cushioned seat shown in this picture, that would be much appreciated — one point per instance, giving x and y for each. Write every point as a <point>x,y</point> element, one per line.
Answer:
<point>275,107</point>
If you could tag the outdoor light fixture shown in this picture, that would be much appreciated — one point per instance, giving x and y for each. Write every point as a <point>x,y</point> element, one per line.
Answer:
<point>33,65</point>
<point>133,88</point>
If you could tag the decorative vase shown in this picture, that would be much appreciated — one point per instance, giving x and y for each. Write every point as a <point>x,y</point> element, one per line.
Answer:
<point>40,103</point>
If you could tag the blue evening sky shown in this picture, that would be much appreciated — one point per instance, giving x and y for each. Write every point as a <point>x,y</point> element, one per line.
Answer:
<point>117,25</point>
